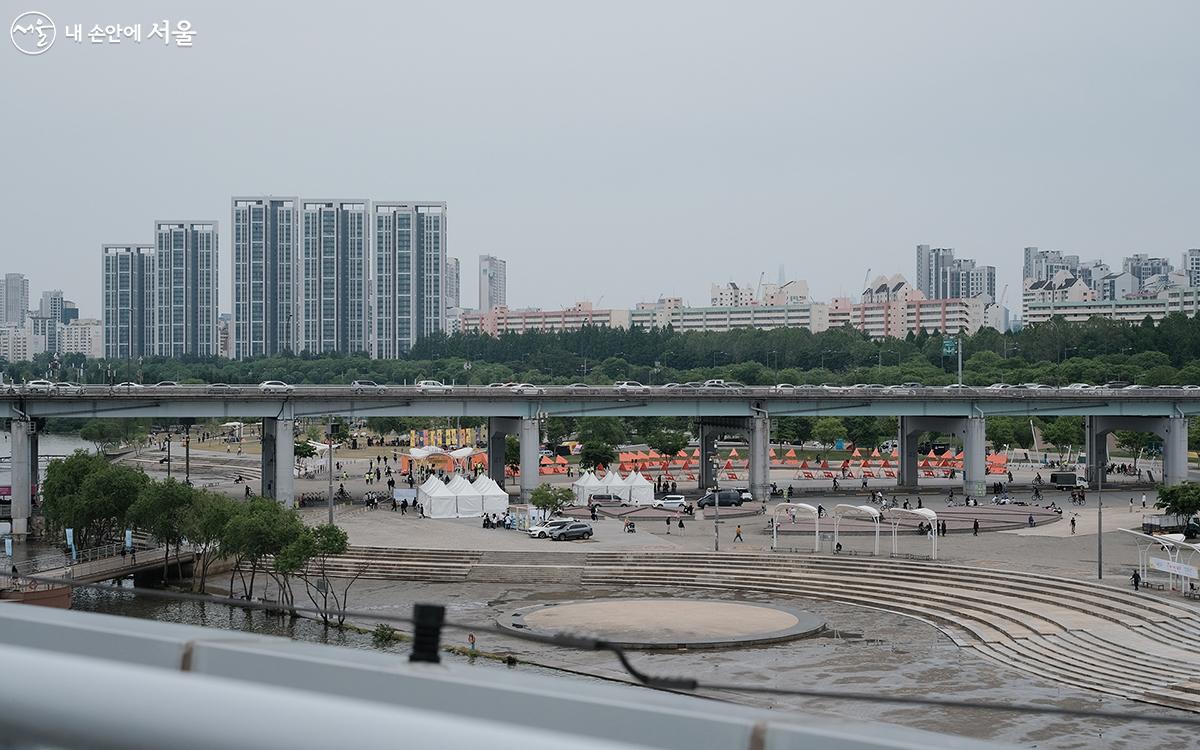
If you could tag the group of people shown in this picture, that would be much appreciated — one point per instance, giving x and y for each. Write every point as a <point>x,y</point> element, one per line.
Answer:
<point>938,527</point>
<point>493,521</point>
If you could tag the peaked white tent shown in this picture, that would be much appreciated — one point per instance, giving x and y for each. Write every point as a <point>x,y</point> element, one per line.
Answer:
<point>438,500</point>
<point>641,491</point>
<point>613,485</point>
<point>585,486</point>
<point>495,499</point>
<point>468,497</point>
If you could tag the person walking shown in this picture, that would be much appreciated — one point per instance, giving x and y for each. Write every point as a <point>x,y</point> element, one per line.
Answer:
<point>1136,578</point>
<point>1131,505</point>
<point>681,524</point>
<point>668,525</point>
<point>737,534</point>
<point>975,527</point>
<point>1072,525</point>
<point>1143,501</point>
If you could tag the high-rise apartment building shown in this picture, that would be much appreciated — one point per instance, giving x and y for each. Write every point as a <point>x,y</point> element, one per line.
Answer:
<point>1142,266</point>
<point>1042,265</point>
<point>128,281</point>
<point>932,265</point>
<point>492,283</point>
<point>410,274</point>
<point>50,310</point>
<point>265,254</point>
<point>453,284</point>
<point>185,289</point>
<point>334,315</point>
<point>14,299</point>
<point>1191,266</point>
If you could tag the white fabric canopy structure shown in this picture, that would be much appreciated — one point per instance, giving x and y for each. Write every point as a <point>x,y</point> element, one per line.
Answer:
<point>438,500</point>
<point>855,511</point>
<point>786,510</point>
<point>925,514</point>
<point>585,486</point>
<point>641,491</point>
<point>613,485</point>
<point>468,498</point>
<point>495,499</point>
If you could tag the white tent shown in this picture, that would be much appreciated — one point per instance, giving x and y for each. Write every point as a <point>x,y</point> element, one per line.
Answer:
<point>585,486</point>
<point>495,499</point>
<point>613,485</point>
<point>641,491</point>
<point>438,500</point>
<point>470,500</point>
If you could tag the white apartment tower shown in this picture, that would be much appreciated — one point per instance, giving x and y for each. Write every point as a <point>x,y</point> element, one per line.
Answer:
<point>410,274</point>
<point>492,283</point>
<point>265,253</point>
<point>185,288</point>
<point>333,276</point>
<point>127,291</point>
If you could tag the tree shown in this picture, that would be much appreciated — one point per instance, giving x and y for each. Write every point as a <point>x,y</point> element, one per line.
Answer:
<point>1179,500</point>
<point>204,527</point>
<point>828,430</point>
<point>161,509</point>
<point>68,501</point>
<point>1064,432</point>
<point>1135,442</point>
<point>304,449</point>
<point>609,430</point>
<point>667,442</point>
<point>551,498</point>
<point>307,555</point>
<point>101,432</point>
<point>512,452</point>
<point>795,430</point>
<point>259,529</point>
<point>596,454</point>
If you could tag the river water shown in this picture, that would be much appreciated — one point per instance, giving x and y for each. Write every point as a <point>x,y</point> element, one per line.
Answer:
<point>49,445</point>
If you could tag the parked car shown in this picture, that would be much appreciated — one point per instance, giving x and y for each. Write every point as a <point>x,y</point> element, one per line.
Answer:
<point>605,499</point>
<point>528,389</point>
<point>573,530</point>
<point>671,502</point>
<point>39,386</point>
<point>722,497</point>
<point>364,386</point>
<point>222,388</point>
<point>630,386</point>
<point>433,386</point>
<point>68,389</point>
<point>543,529</point>
<point>275,386</point>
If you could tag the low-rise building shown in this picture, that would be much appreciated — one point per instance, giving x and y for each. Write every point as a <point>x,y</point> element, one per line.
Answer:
<point>500,319</point>
<point>1185,300</point>
<point>83,336</point>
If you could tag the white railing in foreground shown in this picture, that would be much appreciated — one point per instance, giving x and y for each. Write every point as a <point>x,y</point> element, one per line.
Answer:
<point>163,686</point>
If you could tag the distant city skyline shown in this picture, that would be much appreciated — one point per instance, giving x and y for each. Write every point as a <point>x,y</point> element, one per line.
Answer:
<point>835,144</point>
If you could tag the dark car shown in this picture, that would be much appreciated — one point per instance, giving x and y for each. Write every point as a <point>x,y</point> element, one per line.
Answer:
<point>576,530</point>
<point>724,497</point>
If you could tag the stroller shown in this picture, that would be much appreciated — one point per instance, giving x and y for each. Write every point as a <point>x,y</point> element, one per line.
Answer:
<point>630,527</point>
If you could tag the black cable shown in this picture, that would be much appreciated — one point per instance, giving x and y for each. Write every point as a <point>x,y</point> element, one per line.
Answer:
<point>675,684</point>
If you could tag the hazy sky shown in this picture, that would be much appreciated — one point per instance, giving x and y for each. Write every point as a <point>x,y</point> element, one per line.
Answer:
<point>619,151</point>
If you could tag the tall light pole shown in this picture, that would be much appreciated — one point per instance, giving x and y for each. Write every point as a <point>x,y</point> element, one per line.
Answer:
<point>329,437</point>
<point>959,347</point>
<point>1100,524</point>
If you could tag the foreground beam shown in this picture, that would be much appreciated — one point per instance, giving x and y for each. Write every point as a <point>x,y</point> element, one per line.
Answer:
<point>531,443</point>
<point>24,471</point>
<point>760,458</point>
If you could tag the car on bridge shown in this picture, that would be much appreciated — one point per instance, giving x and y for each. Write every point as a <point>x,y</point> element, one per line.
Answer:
<point>528,389</point>
<point>630,386</point>
<point>509,384</point>
<point>68,389</point>
<point>999,387</point>
<point>433,386</point>
<point>573,530</point>
<point>218,388</point>
<point>577,386</point>
<point>363,386</point>
<point>126,386</point>
<point>165,384</point>
<point>275,386</point>
<point>39,386</point>
<point>1079,387</point>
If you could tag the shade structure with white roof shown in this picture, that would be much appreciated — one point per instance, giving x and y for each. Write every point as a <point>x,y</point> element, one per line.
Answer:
<point>855,511</point>
<point>786,509</point>
<point>924,514</point>
<point>437,499</point>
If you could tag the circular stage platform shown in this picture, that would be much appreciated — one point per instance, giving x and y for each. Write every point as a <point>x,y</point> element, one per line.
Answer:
<point>667,623</point>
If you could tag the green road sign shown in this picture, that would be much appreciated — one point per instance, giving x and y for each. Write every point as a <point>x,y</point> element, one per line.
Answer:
<point>949,347</point>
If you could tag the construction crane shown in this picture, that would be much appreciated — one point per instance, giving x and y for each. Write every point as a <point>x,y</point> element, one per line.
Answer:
<point>758,291</point>
<point>866,279</point>
<point>1004,295</point>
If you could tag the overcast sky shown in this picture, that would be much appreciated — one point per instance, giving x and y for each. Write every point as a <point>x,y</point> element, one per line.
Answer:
<point>619,151</point>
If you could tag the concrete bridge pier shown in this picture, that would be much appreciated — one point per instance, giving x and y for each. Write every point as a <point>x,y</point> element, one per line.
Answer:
<point>1173,431</point>
<point>279,460</point>
<point>24,473</point>
<point>760,457</point>
<point>531,443</point>
<point>971,430</point>
<point>498,429</point>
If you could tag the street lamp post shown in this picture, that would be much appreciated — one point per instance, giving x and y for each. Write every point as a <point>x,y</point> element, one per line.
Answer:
<point>329,437</point>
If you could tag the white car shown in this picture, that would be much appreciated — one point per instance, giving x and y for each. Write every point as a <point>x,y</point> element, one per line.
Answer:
<point>362,386</point>
<point>955,387</point>
<point>275,386</point>
<point>544,529</point>
<point>783,388</point>
<point>528,389</point>
<point>998,386</point>
<point>126,386</point>
<point>433,386</point>
<point>577,386</point>
<point>1078,387</point>
<point>39,386</point>
<point>68,389</point>
<point>165,384</point>
<point>715,383</point>
<point>500,385</point>
<point>671,502</point>
<point>222,388</point>
<point>630,386</point>
<point>1037,386</point>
